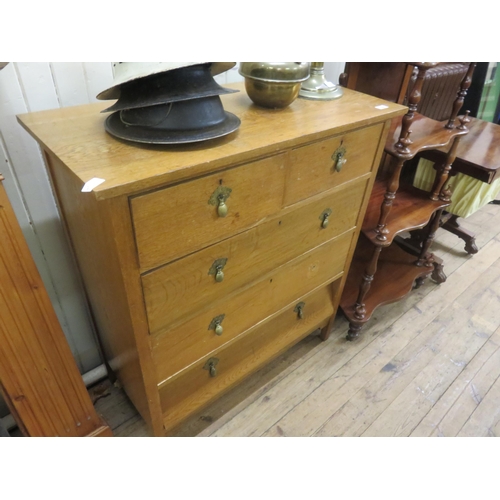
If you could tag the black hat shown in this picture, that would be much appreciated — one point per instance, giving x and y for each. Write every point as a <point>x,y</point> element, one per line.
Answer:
<point>180,84</point>
<point>178,122</point>
<point>178,104</point>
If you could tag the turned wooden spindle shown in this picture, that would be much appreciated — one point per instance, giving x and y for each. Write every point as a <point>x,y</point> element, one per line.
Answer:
<point>423,259</point>
<point>354,330</point>
<point>371,269</point>
<point>459,101</point>
<point>413,101</point>
<point>389,197</point>
<point>464,121</point>
<point>443,172</point>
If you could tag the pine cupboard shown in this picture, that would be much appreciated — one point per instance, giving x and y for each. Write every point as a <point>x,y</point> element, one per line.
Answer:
<point>39,378</point>
<point>203,262</point>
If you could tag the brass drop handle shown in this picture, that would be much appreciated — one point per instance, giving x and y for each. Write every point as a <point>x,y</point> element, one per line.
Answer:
<point>299,309</point>
<point>221,207</point>
<point>210,365</point>
<point>219,274</point>
<point>218,329</point>
<point>324,224</point>
<point>216,325</point>
<point>216,269</point>
<point>218,199</point>
<point>339,159</point>
<point>325,217</point>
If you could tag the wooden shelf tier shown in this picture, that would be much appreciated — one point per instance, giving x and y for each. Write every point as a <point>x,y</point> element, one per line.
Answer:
<point>411,209</point>
<point>395,276</point>
<point>426,133</point>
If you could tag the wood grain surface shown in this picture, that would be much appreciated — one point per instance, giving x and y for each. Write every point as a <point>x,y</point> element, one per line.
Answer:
<point>442,364</point>
<point>195,387</point>
<point>153,210</point>
<point>184,344</point>
<point>179,220</point>
<point>174,290</point>
<point>131,168</point>
<point>312,169</point>
<point>38,374</point>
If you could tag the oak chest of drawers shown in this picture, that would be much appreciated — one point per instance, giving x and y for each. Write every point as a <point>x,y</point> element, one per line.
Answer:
<point>203,262</point>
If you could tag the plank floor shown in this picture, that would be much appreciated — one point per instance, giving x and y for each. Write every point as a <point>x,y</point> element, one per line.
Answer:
<point>428,365</point>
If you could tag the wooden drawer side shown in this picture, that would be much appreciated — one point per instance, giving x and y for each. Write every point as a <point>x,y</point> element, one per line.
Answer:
<point>178,220</point>
<point>195,387</point>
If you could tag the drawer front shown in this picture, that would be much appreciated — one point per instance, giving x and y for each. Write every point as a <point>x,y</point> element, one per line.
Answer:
<point>184,344</point>
<point>197,386</point>
<point>312,169</point>
<point>179,288</point>
<point>181,219</point>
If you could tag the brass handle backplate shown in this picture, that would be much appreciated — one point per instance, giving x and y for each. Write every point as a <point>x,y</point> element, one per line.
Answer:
<point>216,324</point>
<point>218,199</point>
<point>217,269</point>
<point>324,217</point>
<point>339,159</point>
<point>210,365</point>
<point>299,309</point>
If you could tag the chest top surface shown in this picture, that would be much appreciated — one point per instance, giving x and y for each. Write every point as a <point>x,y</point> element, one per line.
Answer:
<point>77,137</point>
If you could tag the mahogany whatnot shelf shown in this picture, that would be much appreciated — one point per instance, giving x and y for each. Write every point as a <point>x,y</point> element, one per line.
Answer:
<point>411,209</point>
<point>373,279</point>
<point>392,262</point>
<point>426,134</point>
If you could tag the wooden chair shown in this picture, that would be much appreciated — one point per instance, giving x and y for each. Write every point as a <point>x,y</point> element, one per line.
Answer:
<point>383,272</point>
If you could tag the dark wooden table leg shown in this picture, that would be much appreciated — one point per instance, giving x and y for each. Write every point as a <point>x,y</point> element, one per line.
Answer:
<point>452,225</point>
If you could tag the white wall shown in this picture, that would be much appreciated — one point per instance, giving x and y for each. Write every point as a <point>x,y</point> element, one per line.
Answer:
<point>27,87</point>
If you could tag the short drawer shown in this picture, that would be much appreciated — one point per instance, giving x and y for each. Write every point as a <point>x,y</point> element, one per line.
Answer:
<point>184,344</point>
<point>177,289</point>
<point>184,218</point>
<point>315,168</point>
<point>216,373</point>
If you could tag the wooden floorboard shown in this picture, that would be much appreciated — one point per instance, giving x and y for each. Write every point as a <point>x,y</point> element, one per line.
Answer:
<point>428,365</point>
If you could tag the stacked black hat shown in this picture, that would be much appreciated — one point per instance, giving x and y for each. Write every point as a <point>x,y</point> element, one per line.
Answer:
<point>168,103</point>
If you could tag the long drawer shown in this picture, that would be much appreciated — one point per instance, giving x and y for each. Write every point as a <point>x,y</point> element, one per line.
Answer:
<point>172,292</point>
<point>184,218</point>
<point>211,376</point>
<point>330,162</point>
<point>183,345</point>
